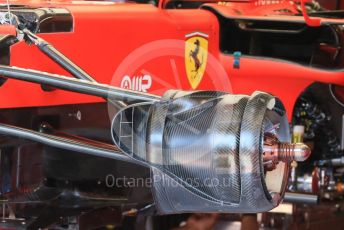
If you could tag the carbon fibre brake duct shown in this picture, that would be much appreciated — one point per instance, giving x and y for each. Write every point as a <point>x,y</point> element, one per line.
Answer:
<point>208,151</point>
<point>211,151</point>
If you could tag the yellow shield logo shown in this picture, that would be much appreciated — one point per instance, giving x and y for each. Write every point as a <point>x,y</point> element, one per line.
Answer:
<point>196,54</point>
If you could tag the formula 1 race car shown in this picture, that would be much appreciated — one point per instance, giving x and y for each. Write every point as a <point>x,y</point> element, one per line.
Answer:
<point>113,109</point>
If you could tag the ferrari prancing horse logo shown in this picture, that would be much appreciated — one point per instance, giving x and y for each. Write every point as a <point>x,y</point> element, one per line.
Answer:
<point>196,54</point>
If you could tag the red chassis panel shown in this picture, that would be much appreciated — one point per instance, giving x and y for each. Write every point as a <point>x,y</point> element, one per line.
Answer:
<point>111,41</point>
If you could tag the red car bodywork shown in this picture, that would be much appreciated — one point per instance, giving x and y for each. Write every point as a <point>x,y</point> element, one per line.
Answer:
<point>105,34</point>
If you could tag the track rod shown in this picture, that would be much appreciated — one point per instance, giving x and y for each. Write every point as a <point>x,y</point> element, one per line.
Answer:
<point>66,143</point>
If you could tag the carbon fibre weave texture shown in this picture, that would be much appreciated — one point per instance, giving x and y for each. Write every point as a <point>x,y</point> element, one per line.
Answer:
<point>204,149</point>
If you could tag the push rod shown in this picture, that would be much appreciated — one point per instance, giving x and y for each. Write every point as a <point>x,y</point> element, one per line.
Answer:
<point>57,56</point>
